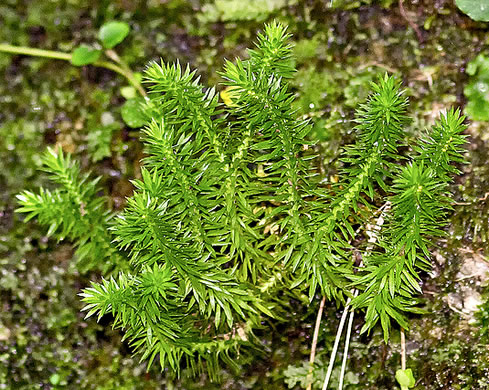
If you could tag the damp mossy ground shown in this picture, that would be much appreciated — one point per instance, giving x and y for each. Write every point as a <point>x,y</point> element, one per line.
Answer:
<point>44,341</point>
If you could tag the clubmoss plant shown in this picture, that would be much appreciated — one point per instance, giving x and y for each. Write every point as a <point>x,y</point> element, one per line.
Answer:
<point>230,218</point>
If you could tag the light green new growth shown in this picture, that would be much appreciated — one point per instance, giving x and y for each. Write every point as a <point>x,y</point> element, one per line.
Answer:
<point>230,212</point>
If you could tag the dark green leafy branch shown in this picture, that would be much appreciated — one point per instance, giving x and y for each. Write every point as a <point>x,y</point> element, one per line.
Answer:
<point>368,162</point>
<point>76,211</point>
<point>230,213</point>
<point>390,279</point>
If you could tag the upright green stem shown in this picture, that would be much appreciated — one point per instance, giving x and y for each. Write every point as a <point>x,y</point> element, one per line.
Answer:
<point>57,55</point>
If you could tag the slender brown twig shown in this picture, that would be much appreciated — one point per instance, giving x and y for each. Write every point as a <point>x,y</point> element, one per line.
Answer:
<point>410,22</point>
<point>315,341</point>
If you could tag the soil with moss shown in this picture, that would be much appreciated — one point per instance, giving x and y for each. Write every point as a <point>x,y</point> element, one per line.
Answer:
<point>341,46</point>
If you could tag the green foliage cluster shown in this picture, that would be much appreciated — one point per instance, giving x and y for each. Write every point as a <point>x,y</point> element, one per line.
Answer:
<point>352,4</point>
<point>477,90</point>
<point>230,217</point>
<point>110,35</point>
<point>301,375</point>
<point>419,197</point>
<point>259,11</point>
<point>74,210</point>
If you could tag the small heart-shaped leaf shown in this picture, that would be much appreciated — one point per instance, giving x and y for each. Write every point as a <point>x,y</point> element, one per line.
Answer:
<point>133,112</point>
<point>405,378</point>
<point>84,55</point>
<point>113,33</point>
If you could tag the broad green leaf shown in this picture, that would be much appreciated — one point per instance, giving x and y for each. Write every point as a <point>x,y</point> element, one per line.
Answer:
<point>113,33</point>
<point>84,55</point>
<point>476,9</point>
<point>133,113</point>
<point>128,92</point>
<point>405,379</point>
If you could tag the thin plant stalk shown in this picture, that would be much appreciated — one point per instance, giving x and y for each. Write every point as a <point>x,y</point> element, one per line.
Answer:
<point>315,341</point>
<point>321,306</point>
<point>345,351</point>
<point>336,343</point>
<point>57,55</point>
<point>403,349</point>
<point>373,235</point>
